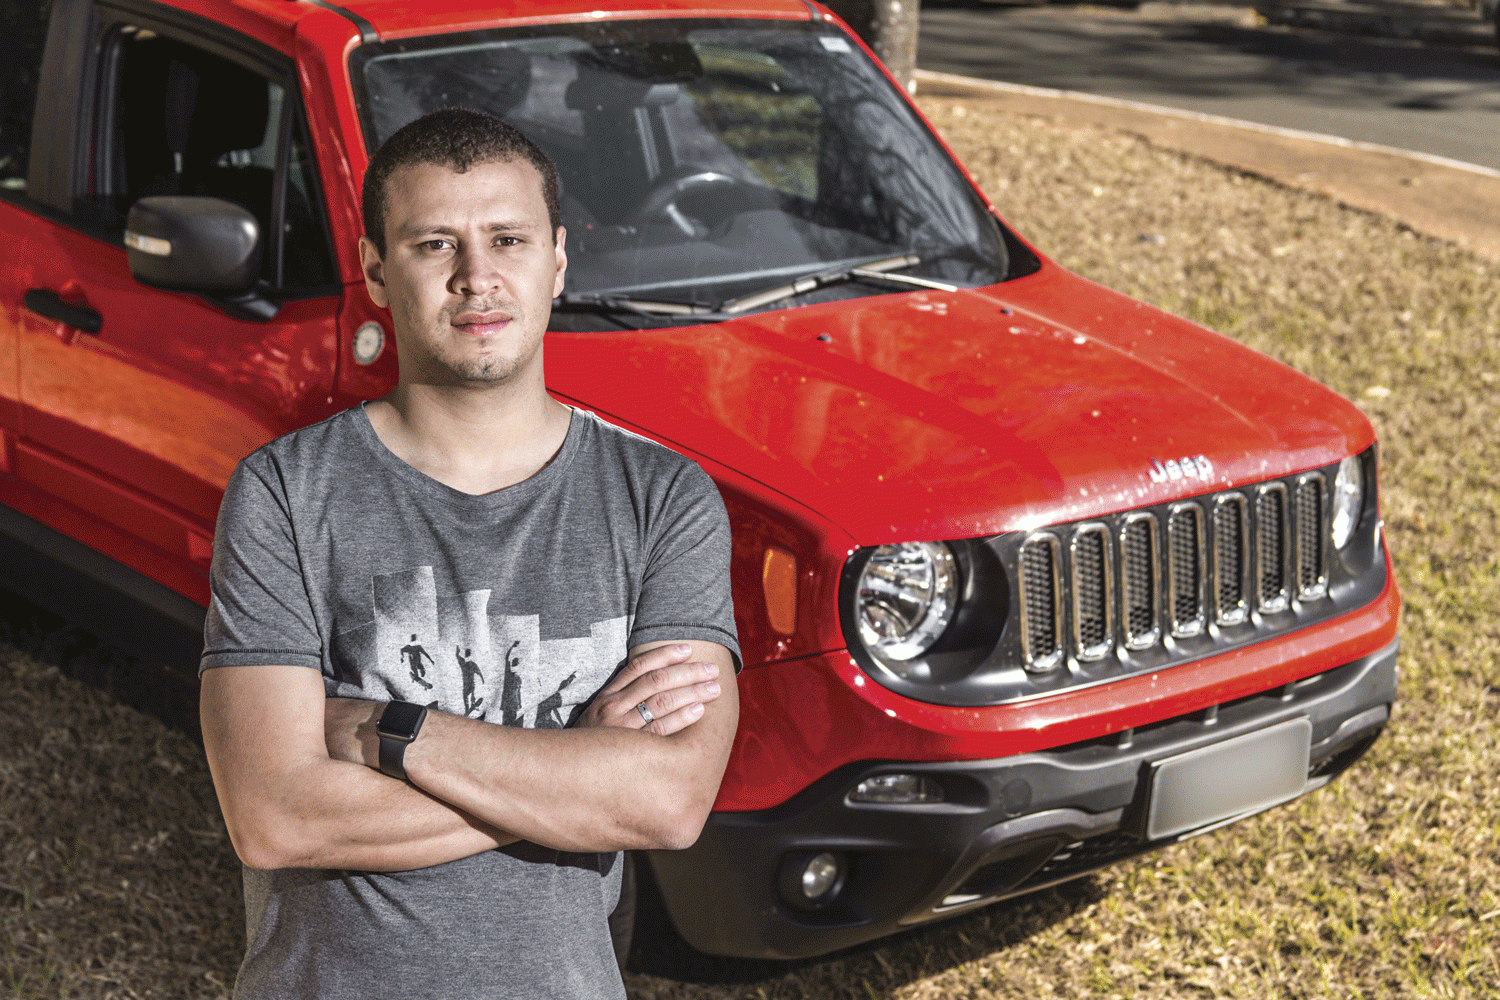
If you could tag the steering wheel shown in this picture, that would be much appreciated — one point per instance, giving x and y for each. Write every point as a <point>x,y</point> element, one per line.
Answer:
<point>705,187</point>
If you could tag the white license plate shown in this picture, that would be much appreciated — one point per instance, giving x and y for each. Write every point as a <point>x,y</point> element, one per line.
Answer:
<point>1230,779</point>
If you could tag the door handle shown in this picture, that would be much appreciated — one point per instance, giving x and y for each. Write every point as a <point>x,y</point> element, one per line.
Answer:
<point>45,302</point>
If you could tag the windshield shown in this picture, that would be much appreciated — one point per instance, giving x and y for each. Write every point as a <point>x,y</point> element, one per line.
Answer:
<point>704,161</point>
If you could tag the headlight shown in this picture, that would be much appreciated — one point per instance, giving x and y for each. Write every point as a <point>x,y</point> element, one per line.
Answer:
<point>906,597</point>
<point>1348,500</point>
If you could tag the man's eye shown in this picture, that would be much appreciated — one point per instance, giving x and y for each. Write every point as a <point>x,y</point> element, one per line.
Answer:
<point>508,241</point>
<point>435,245</point>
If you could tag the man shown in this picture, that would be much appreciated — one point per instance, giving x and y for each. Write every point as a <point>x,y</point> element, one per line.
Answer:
<point>394,846</point>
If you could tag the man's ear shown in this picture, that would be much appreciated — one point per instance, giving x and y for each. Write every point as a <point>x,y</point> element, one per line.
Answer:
<point>374,269</point>
<point>562,261</point>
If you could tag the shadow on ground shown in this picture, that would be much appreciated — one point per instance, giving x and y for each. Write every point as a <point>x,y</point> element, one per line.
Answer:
<point>145,686</point>
<point>659,951</point>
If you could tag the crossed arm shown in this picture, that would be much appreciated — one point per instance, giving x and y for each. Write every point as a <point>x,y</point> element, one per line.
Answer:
<point>296,778</point>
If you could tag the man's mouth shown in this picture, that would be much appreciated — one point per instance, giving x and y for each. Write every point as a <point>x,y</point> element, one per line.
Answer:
<point>481,324</point>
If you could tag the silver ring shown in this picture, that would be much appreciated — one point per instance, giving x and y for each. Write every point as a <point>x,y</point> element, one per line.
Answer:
<point>645,713</point>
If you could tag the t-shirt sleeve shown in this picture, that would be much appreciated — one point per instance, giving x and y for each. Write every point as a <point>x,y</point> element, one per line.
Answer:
<point>685,588</point>
<point>259,614</point>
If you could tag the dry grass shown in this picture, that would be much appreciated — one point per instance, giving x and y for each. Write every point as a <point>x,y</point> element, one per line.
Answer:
<point>1386,884</point>
<point>116,877</point>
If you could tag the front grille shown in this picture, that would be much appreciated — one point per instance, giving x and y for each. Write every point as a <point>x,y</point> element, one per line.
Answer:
<point>1185,573</point>
<point>1139,576</point>
<point>1041,617</point>
<point>1231,538</point>
<point>1312,580</point>
<point>1092,597</point>
<point>1085,856</point>
<point>1176,568</point>
<point>1270,545</point>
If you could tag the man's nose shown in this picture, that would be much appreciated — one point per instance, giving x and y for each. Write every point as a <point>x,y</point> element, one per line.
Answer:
<point>476,272</point>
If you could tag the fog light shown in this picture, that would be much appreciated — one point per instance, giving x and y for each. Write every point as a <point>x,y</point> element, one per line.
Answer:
<point>821,874</point>
<point>811,880</point>
<point>897,789</point>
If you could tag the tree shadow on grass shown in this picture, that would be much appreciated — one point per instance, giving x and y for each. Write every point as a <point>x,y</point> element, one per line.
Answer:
<point>889,963</point>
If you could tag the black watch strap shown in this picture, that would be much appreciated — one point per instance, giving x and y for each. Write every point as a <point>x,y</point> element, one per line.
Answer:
<point>398,726</point>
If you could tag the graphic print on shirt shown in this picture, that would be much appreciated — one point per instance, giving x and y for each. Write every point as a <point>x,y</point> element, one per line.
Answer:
<point>447,650</point>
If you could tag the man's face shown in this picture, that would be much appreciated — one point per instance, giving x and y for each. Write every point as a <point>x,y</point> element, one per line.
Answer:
<point>470,270</point>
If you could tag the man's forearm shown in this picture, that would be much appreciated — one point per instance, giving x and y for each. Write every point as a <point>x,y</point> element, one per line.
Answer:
<point>575,790</point>
<point>348,817</point>
<point>599,788</point>
<point>288,805</point>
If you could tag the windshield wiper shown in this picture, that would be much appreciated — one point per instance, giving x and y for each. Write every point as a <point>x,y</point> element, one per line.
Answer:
<point>617,305</point>
<point>875,271</point>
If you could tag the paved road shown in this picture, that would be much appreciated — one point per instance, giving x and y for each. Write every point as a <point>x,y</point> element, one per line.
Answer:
<point>1442,100</point>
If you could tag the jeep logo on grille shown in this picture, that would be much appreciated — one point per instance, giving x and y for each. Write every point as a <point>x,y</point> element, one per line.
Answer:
<point>1190,467</point>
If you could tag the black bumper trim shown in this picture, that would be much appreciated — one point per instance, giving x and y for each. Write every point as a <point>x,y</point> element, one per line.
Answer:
<point>1007,826</point>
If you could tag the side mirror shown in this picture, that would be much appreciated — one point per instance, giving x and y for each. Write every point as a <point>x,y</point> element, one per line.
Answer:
<point>193,244</point>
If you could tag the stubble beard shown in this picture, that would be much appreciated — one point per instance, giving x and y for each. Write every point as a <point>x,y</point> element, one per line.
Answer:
<point>481,371</point>
<point>486,371</point>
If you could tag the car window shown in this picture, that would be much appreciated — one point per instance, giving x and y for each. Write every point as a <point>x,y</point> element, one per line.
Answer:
<point>704,160</point>
<point>750,103</point>
<point>183,121</point>
<point>23,35</point>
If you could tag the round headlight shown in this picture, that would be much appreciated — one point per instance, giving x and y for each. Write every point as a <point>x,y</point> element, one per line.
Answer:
<point>1348,500</point>
<point>907,596</point>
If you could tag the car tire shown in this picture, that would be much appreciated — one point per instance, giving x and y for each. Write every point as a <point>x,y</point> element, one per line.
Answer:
<point>622,918</point>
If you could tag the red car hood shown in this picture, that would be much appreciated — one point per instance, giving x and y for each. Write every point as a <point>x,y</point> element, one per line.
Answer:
<point>948,415</point>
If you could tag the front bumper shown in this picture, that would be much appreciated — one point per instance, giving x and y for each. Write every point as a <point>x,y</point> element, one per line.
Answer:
<point>1007,826</point>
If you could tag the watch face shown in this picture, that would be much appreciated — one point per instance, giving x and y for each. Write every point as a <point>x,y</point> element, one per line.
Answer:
<point>401,719</point>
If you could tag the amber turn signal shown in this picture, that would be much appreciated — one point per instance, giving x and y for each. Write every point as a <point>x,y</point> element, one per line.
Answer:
<point>778,579</point>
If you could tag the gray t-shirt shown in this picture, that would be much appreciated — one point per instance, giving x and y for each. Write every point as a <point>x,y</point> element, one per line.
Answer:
<point>514,607</point>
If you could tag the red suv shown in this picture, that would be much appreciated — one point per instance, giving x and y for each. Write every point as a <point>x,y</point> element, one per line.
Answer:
<point>1030,576</point>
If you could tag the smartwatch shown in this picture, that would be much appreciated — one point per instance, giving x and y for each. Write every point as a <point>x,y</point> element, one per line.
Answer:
<point>399,724</point>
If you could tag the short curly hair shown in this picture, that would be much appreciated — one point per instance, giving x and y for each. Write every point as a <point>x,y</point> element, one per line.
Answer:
<point>457,138</point>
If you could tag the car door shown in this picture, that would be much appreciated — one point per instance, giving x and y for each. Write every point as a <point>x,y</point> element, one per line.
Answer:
<point>23,33</point>
<point>136,402</point>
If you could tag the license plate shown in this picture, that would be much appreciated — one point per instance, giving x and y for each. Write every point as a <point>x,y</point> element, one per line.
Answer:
<point>1222,782</point>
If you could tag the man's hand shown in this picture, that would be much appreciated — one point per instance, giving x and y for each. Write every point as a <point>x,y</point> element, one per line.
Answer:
<point>673,691</point>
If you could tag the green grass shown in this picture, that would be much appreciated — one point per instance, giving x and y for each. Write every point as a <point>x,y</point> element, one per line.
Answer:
<point>116,879</point>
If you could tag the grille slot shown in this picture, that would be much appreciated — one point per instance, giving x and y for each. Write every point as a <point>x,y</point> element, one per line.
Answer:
<point>1312,578</point>
<point>1093,600</point>
<point>1185,568</point>
<point>1230,551</point>
<point>1271,548</point>
<point>1217,569</point>
<point>1139,576</point>
<point>1041,616</point>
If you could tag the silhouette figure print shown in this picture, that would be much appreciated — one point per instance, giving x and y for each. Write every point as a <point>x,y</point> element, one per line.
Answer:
<point>413,654</point>
<point>471,674</point>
